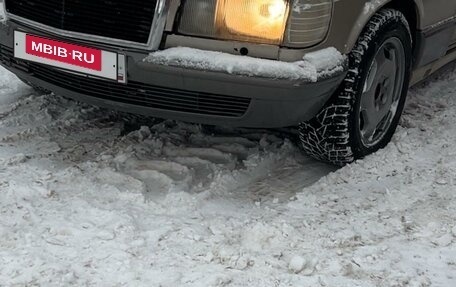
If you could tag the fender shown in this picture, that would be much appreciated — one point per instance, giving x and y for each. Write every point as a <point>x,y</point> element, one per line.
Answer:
<point>432,33</point>
<point>370,8</point>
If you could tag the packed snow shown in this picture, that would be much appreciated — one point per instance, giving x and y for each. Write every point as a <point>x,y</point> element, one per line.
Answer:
<point>91,197</point>
<point>313,66</point>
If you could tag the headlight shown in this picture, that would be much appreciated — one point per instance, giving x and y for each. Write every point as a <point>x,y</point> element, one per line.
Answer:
<point>309,22</point>
<point>293,23</point>
<point>261,21</point>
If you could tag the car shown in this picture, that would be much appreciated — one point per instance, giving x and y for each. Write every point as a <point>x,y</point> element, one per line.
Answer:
<point>338,70</point>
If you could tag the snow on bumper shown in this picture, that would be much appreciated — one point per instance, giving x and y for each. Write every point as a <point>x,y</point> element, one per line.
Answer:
<point>314,66</point>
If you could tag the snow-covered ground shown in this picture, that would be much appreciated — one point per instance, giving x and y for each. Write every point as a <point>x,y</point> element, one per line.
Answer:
<point>90,197</point>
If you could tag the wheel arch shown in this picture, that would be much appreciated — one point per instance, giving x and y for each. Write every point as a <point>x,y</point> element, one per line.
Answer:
<point>413,11</point>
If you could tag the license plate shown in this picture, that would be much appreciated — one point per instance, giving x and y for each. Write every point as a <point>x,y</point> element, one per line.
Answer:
<point>70,57</point>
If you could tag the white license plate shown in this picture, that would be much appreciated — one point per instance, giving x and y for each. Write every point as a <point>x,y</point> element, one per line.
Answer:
<point>70,57</point>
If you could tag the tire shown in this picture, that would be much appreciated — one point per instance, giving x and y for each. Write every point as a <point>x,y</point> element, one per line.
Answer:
<point>341,132</point>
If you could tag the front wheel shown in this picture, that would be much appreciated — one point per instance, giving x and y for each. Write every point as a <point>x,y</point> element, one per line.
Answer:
<point>363,114</point>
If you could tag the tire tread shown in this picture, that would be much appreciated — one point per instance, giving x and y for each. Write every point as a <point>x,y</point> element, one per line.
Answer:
<point>327,136</point>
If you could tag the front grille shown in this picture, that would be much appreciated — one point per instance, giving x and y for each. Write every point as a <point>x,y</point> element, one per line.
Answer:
<point>135,93</point>
<point>129,20</point>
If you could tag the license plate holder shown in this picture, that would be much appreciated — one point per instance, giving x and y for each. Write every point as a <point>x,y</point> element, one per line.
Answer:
<point>70,57</point>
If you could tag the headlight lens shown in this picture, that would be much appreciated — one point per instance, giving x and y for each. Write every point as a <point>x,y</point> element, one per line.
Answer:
<point>261,21</point>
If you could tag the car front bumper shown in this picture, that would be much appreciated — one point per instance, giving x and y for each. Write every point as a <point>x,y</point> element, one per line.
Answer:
<point>181,93</point>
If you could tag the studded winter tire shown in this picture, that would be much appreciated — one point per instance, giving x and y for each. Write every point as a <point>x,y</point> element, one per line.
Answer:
<point>363,114</point>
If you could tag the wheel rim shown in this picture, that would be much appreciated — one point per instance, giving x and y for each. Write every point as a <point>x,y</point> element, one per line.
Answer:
<point>382,92</point>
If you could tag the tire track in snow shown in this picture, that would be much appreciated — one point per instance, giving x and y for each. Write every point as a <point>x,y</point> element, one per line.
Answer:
<point>72,133</point>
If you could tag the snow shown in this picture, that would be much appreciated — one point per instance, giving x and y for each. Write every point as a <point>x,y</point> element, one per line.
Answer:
<point>90,197</point>
<point>297,264</point>
<point>299,7</point>
<point>315,65</point>
<point>371,6</point>
<point>2,12</point>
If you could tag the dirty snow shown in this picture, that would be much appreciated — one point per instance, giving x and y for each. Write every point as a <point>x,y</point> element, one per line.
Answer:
<point>372,5</point>
<point>90,197</point>
<point>313,66</point>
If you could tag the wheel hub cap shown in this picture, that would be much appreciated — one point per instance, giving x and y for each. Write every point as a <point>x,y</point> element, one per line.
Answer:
<point>382,92</point>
